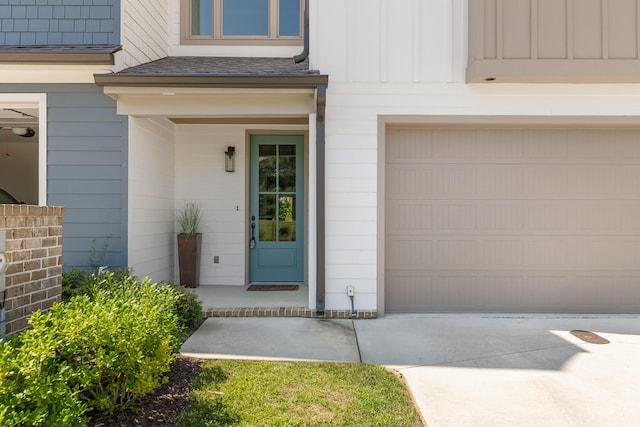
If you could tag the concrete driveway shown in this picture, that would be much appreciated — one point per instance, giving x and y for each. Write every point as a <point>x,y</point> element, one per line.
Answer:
<point>465,370</point>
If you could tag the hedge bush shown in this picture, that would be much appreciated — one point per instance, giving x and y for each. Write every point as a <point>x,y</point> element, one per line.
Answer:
<point>82,282</point>
<point>97,351</point>
<point>35,390</point>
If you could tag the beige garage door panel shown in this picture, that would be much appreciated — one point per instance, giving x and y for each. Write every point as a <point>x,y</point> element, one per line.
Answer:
<point>512,220</point>
<point>499,217</point>
<point>579,292</point>
<point>514,254</point>
<point>518,180</point>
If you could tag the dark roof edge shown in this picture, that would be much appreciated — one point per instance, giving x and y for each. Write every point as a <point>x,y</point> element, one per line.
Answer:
<point>59,58</point>
<point>236,81</point>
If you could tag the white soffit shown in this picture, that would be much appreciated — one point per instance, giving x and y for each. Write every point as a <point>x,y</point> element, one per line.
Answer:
<point>202,102</point>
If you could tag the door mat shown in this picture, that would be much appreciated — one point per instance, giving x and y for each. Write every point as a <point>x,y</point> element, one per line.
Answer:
<point>272,288</point>
<point>589,337</point>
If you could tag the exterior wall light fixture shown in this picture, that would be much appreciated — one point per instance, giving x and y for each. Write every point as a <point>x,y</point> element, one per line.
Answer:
<point>229,159</point>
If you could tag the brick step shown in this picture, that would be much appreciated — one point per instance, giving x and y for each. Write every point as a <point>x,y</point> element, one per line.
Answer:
<point>285,312</point>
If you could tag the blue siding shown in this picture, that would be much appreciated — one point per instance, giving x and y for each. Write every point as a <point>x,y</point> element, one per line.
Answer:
<point>87,169</point>
<point>51,22</point>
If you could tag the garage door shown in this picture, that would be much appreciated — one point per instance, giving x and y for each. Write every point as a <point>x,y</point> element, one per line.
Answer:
<point>512,220</point>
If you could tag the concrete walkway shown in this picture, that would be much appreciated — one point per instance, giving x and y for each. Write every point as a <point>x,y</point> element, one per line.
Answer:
<point>465,370</point>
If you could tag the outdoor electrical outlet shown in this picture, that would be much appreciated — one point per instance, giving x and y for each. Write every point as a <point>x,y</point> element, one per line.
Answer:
<point>350,291</point>
<point>216,259</point>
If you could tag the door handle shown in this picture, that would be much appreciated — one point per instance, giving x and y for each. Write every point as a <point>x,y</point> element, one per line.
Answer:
<point>252,242</point>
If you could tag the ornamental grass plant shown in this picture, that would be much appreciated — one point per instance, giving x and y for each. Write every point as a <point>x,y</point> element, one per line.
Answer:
<point>189,219</point>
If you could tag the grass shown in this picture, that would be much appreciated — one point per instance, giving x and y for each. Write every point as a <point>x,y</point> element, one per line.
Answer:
<point>285,394</point>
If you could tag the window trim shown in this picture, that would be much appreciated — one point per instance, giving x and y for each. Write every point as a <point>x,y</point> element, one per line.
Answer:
<point>41,100</point>
<point>273,39</point>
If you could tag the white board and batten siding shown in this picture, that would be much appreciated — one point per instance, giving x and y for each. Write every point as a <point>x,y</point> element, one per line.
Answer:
<point>401,41</point>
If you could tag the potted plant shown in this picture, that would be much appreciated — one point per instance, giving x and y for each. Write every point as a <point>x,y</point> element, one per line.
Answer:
<point>189,245</point>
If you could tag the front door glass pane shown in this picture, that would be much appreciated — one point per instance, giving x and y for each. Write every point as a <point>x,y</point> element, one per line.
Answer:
<point>289,18</point>
<point>287,168</point>
<point>245,17</point>
<point>201,17</point>
<point>287,218</point>
<point>267,216</point>
<point>267,164</point>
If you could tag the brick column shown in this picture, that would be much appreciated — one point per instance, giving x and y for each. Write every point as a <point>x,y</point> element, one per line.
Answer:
<point>34,250</point>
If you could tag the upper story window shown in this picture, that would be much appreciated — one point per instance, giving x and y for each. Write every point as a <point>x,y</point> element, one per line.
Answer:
<point>241,21</point>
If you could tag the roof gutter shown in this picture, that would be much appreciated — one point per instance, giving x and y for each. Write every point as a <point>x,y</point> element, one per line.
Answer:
<point>305,51</point>
<point>204,80</point>
<point>78,56</point>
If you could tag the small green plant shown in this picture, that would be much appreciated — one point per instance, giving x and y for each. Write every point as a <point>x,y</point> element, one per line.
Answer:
<point>188,309</point>
<point>97,257</point>
<point>189,219</point>
<point>79,282</point>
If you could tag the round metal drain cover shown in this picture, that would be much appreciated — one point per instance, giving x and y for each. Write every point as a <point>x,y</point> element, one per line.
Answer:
<point>590,337</point>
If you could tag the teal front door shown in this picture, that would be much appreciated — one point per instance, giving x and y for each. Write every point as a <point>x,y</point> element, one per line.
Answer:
<point>277,208</point>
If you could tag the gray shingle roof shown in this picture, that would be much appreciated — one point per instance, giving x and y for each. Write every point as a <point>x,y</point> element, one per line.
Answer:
<point>220,66</point>
<point>199,71</point>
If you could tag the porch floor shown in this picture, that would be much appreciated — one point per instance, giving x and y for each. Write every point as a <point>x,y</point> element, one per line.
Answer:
<point>225,297</point>
<point>236,301</point>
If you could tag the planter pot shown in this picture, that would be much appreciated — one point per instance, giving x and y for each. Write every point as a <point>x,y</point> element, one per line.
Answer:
<point>189,246</point>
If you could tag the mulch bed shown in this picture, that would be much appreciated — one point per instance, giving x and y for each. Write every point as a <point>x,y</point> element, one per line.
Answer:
<point>161,408</point>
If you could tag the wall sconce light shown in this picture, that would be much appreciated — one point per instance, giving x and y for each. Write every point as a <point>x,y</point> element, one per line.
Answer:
<point>229,159</point>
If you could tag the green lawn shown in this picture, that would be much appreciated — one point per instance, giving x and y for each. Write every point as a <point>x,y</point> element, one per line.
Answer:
<point>249,393</point>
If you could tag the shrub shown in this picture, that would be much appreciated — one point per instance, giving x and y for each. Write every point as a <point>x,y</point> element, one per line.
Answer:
<point>97,351</point>
<point>126,333</point>
<point>35,390</point>
<point>188,309</point>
